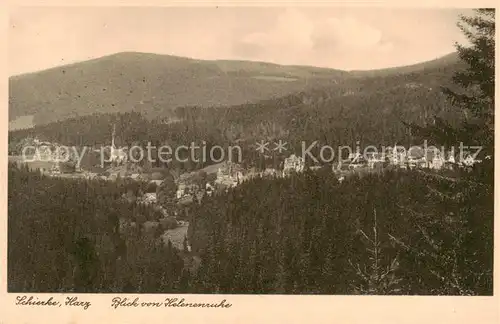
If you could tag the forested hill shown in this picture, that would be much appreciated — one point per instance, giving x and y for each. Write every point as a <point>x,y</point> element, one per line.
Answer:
<point>372,110</point>
<point>155,84</point>
<point>447,60</point>
<point>72,236</point>
<point>390,233</point>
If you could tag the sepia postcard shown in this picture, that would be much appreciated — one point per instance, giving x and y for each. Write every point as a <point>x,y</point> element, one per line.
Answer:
<point>249,162</point>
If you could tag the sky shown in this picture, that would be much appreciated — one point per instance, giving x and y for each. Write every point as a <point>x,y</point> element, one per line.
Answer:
<point>347,38</point>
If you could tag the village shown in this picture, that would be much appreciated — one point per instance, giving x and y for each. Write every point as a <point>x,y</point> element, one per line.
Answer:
<point>192,186</point>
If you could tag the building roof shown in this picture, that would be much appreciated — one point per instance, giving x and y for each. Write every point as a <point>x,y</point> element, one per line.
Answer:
<point>150,195</point>
<point>134,175</point>
<point>397,148</point>
<point>356,158</point>
<point>187,199</point>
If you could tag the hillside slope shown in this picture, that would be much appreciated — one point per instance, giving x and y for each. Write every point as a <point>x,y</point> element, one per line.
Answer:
<point>153,84</point>
<point>451,59</point>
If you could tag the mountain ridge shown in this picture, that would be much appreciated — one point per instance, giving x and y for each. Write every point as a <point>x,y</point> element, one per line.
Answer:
<point>452,55</point>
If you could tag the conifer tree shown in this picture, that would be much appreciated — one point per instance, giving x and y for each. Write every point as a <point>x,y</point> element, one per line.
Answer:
<point>474,88</point>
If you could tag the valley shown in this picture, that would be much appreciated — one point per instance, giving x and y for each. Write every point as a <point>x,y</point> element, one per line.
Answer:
<point>412,217</point>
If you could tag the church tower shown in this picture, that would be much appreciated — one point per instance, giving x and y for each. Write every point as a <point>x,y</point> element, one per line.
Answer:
<point>113,137</point>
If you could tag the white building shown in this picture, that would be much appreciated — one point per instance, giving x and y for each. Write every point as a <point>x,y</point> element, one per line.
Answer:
<point>134,176</point>
<point>209,189</point>
<point>293,163</point>
<point>117,155</point>
<point>229,174</point>
<point>429,157</point>
<point>157,182</point>
<point>356,160</point>
<point>397,155</point>
<point>434,158</point>
<point>451,157</point>
<point>469,160</point>
<point>181,191</point>
<point>149,198</point>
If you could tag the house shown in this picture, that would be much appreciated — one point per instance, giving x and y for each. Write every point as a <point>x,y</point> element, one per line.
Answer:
<point>293,163</point>
<point>416,157</point>
<point>340,167</point>
<point>113,176</point>
<point>157,182</point>
<point>184,189</point>
<point>434,158</point>
<point>187,191</point>
<point>55,169</point>
<point>468,160</point>
<point>149,198</point>
<point>271,172</point>
<point>453,160</point>
<point>134,176</point>
<point>209,189</point>
<point>375,159</point>
<point>45,153</point>
<point>353,161</point>
<point>356,161</point>
<point>185,200</point>
<point>428,157</point>
<point>451,157</point>
<point>89,175</point>
<point>449,160</point>
<point>356,165</point>
<point>396,155</point>
<point>353,157</point>
<point>181,190</point>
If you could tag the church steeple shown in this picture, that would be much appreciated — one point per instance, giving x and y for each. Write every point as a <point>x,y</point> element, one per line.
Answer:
<point>113,136</point>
